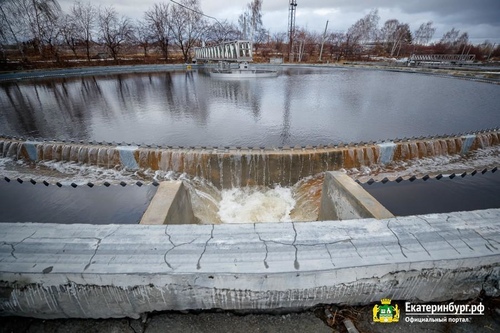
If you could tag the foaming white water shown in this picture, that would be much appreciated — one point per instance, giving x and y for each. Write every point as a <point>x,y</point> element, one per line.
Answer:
<point>476,160</point>
<point>256,204</point>
<point>299,202</point>
<point>63,172</point>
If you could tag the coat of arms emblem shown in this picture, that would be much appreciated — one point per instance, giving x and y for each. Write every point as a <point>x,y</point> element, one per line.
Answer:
<point>386,312</point>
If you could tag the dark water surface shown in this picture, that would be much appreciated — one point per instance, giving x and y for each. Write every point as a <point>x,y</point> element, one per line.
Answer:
<point>481,191</point>
<point>302,106</point>
<point>97,205</point>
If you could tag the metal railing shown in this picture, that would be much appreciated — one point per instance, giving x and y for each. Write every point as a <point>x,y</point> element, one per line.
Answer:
<point>442,58</point>
<point>235,51</point>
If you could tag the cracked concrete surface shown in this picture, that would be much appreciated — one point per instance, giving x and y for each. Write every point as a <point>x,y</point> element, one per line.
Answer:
<point>174,246</point>
<point>13,245</point>
<point>399,242</point>
<point>124,270</point>
<point>198,265</point>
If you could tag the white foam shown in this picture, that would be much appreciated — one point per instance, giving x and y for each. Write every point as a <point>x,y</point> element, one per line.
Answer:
<point>256,204</point>
<point>63,172</point>
<point>488,157</point>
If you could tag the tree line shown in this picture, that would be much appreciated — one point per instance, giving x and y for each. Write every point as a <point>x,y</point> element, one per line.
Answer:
<point>392,39</point>
<point>170,30</point>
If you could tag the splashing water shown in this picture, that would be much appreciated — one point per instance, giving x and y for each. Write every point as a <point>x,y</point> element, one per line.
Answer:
<point>299,202</point>
<point>256,204</point>
<point>249,204</point>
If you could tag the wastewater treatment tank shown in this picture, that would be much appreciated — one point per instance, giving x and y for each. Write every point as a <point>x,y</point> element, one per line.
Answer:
<point>444,194</point>
<point>26,201</point>
<point>180,116</point>
<point>302,106</point>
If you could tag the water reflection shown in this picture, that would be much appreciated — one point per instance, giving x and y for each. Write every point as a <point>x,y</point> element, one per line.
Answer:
<point>302,106</point>
<point>439,196</point>
<point>285,133</point>
<point>97,205</point>
<point>243,94</point>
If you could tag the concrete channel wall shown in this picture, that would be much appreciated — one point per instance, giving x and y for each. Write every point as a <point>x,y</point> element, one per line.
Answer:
<point>240,166</point>
<point>341,199</point>
<point>102,271</point>
<point>171,204</point>
<point>344,199</point>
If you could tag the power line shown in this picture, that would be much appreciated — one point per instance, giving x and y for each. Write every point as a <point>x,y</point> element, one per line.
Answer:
<point>197,12</point>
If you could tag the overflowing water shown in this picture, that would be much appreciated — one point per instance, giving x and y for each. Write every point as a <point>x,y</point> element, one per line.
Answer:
<point>297,202</point>
<point>255,204</point>
<point>303,106</point>
<point>248,204</point>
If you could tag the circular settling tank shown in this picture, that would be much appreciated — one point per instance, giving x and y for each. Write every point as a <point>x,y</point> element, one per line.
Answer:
<point>302,106</point>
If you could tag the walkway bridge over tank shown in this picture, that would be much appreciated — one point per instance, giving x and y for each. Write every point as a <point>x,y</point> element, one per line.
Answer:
<point>233,51</point>
<point>441,58</point>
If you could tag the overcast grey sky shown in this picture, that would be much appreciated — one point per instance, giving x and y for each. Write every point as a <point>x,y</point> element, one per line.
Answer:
<point>480,18</point>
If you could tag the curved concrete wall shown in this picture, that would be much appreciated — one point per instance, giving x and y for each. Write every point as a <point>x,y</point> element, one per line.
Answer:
<point>101,271</point>
<point>234,167</point>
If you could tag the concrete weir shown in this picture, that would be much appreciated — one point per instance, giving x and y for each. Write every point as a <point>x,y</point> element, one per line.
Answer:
<point>341,199</point>
<point>240,166</point>
<point>103,271</point>
<point>111,271</point>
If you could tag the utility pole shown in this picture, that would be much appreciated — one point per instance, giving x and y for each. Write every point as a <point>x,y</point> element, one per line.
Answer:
<point>323,42</point>
<point>491,52</point>
<point>291,29</point>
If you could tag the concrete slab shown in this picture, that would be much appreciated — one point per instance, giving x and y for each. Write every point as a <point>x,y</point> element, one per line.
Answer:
<point>343,199</point>
<point>101,271</point>
<point>170,205</point>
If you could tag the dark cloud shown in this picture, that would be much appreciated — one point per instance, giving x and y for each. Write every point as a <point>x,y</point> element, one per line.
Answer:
<point>470,12</point>
<point>481,18</point>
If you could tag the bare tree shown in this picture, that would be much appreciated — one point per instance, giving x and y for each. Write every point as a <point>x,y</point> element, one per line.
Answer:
<point>39,18</point>
<point>144,36</point>
<point>450,37</point>
<point>462,42</point>
<point>395,35</point>
<point>334,45</point>
<point>487,49</point>
<point>261,38</point>
<point>278,39</point>
<point>53,37</point>
<point>364,30</point>
<point>69,33</point>
<point>309,42</point>
<point>115,31</point>
<point>84,16</point>
<point>221,31</point>
<point>424,33</point>
<point>157,18</point>
<point>388,33</point>
<point>250,20</point>
<point>453,41</point>
<point>9,30</point>
<point>187,25</point>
